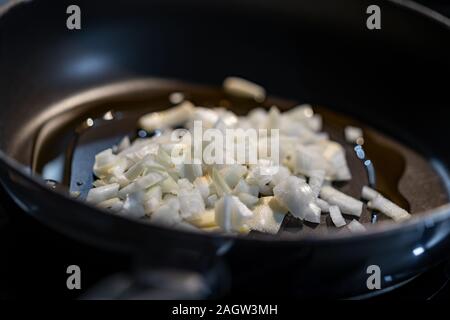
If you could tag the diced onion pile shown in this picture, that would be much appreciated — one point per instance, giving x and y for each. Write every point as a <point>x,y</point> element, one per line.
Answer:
<point>139,179</point>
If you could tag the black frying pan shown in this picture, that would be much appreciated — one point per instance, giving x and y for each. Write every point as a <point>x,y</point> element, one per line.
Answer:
<point>315,51</point>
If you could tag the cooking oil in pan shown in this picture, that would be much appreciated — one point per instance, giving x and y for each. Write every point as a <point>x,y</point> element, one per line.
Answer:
<point>65,152</point>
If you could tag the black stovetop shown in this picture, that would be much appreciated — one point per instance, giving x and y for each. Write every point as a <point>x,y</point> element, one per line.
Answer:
<point>34,257</point>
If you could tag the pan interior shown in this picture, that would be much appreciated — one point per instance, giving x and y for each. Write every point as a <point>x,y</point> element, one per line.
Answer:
<point>65,146</point>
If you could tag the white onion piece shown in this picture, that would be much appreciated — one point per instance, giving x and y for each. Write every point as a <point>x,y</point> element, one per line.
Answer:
<point>104,161</point>
<point>368,193</point>
<point>169,185</point>
<point>266,218</point>
<point>186,226</point>
<point>336,216</point>
<point>134,171</point>
<point>233,174</point>
<point>139,152</point>
<point>323,205</point>
<point>113,204</point>
<point>244,88</point>
<point>231,214</point>
<point>228,118</point>
<point>153,198</point>
<point>220,184</point>
<point>168,118</point>
<point>163,158</point>
<point>74,194</point>
<point>244,187</point>
<point>314,123</point>
<point>176,97</point>
<point>143,183</point>
<point>334,153</point>
<point>193,171</point>
<point>206,219</point>
<point>347,204</point>
<point>273,119</point>
<point>257,118</point>
<point>297,196</point>
<point>309,159</point>
<point>211,201</point>
<point>389,208</point>
<point>97,195</point>
<point>300,112</point>
<point>326,155</point>
<point>202,185</point>
<point>316,180</point>
<point>191,201</point>
<point>247,199</point>
<point>133,205</point>
<point>123,144</point>
<point>208,117</point>
<point>277,206</point>
<point>355,227</point>
<point>282,174</point>
<point>261,175</point>
<point>380,203</point>
<point>313,213</point>
<point>353,134</point>
<point>99,183</point>
<point>168,213</point>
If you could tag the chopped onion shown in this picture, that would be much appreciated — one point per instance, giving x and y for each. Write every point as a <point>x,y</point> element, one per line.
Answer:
<point>202,185</point>
<point>369,193</point>
<point>143,183</point>
<point>206,219</point>
<point>153,198</point>
<point>353,134</point>
<point>244,187</point>
<point>231,214</point>
<point>211,201</point>
<point>356,227</point>
<point>168,213</point>
<point>244,88</point>
<point>133,205</point>
<point>266,218</point>
<point>248,199</point>
<point>97,195</point>
<point>316,180</point>
<point>168,118</point>
<point>104,161</point>
<point>221,186</point>
<point>233,174</point>
<point>123,144</point>
<point>282,174</point>
<point>336,216</point>
<point>380,203</point>
<point>113,204</point>
<point>191,201</point>
<point>297,196</point>
<point>346,204</point>
<point>139,179</point>
<point>323,205</point>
